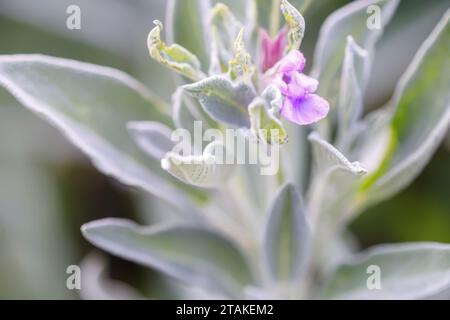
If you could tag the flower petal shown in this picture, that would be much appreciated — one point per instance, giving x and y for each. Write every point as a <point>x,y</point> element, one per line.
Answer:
<point>307,110</point>
<point>272,49</point>
<point>278,81</point>
<point>265,42</point>
<point>307,83</point>
<point>296,85</point>
<point>293,61</point>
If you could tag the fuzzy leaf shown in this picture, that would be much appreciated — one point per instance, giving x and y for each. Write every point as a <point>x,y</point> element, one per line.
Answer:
<point>252,29</point>
<point>222,100</point>
<point>296,24</point>
<point>224,29</point>
<point>354,75</point>
<point>152,137</point>
<point>275,99</point>
<point>192,254</point>
<point>208,170</point>
<point>269,14</point>
<point>330,49</point>
<point>174,56</point>
<point>92,105</point>
<point>264,124</point>
<point>287,236</point>
<point>407,271</point>
<point>241,67</point>
<point>329,159</point>
<point>237,7</point>
<point>336,178</point>
<point>370,138</point>
<point>187,110</point>
<point>421,118</point>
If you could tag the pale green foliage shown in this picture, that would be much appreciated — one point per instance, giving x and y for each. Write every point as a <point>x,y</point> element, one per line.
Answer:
<point>296,24</point>
<point>264,124</point>
<point>251,235</point>
<point>175,56</point>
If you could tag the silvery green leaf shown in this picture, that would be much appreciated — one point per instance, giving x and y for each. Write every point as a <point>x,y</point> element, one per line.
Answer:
<point>406,271</point>
<point>274,97</point>
<point>264,125</point>
<point>186,24</point>
<point>328,159</point>
<point>192,254</point>
<point>240,67</point>
<point>370,138</point>
<point>269,14</point>
<point>223,100</point>
<point>296,24</point>
<point>252,29</point>
<point>287,236</point>
<point>224,29</point>
<point>265,14</point>
<point>92,105</point>
<point>421,117</point>
<point>335,179</point>
<point>354,75</point>
<point>216,66</point>
<point>152,137</point>
<point>352,19</point>
<point>237,7</point>
<point>256,186</point>
<point>186,110</point>
<point>174,56</point>
<point>208,170</point>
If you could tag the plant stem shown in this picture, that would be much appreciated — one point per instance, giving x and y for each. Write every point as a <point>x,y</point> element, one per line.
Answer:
<point>280,174</point>
<point>274,24</point>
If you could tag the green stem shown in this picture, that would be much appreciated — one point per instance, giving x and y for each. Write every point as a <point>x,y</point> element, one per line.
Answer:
<point>280,174</point>
<point>274,24</point>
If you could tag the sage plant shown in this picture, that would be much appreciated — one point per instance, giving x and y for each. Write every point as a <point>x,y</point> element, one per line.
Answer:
<point>242,232</point>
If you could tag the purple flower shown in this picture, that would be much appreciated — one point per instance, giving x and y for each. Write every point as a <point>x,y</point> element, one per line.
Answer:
<point>273,49</point>
<point>300,105</point>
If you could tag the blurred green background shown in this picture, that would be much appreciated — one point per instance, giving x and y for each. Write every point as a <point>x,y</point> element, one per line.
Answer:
<point>48,189</point>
